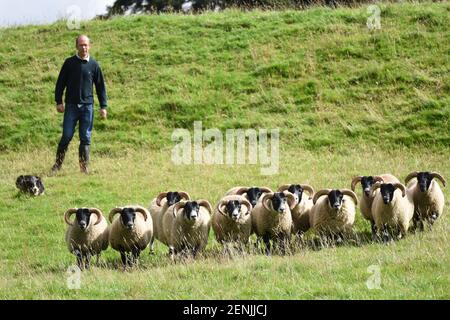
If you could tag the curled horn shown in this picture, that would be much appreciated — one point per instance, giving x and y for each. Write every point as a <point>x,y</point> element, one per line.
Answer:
<point>98,213</point>
<point>308,188</point>
<point>378,179</point>
<point>411,176</point>
<point>142,211</point>
<point>184,195</point>
<point>355,181</point>
<point>375,186</point>
<point>161,196</point>
<point>264,200</point>
<point>351,194</point>
<point>401,187</point>
<point>177,206</point>
<point>284,187</point>
<point>291,200</point>
<point>265,190</point>
<point>206,204</point>
<point>242,190</point>
<point>113,212</point>
<point>246,203</point>
<point>438,176</point>
<point>318,194</point>
<point>67,215</point>
<point>219,207</point>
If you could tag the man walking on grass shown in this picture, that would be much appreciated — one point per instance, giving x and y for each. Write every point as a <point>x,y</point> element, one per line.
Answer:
<point>77,76</point>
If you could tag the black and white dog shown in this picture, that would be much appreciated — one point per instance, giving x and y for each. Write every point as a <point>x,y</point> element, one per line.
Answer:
<point>30,184</point>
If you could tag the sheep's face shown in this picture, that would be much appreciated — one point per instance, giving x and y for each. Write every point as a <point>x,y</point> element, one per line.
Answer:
<point>279,202</point>
<point>83,217</point>
<point>233,209</point>
<point>30,184</point>
<point>387,192</point>
<point>128,218</point>
<point>335,199</point>
<point>366,183</point>
<point>173,197</point>
<point>253,195</point>
<point>297,191</point>
<point>191,210</point>
<point>424,180</point>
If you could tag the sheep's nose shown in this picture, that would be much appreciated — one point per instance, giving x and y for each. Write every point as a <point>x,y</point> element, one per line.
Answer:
<point>130,225</point>
<point>83,225</point>
<point>385,200</point>
<point>35,190</point>
<point>367,192</point>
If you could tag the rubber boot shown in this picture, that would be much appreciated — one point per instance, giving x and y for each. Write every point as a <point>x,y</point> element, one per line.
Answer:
<point>84,158</point>
<point>60,154</point>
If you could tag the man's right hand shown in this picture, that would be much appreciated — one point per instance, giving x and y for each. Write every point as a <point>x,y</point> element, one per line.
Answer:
<point>60,108</point>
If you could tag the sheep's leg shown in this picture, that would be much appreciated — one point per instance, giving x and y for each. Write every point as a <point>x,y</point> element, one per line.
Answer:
<point>151,246</point>
<point>123,256</point>
<point>266,239</point>
<point>374,230</point>
<point>87,259</point>
<point>135,256</point>
<point>385,234</point>
<point>432,219</point>
<point>79,256</point>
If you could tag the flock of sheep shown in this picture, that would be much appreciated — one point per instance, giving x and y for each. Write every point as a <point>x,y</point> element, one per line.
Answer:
<point>183,224</point>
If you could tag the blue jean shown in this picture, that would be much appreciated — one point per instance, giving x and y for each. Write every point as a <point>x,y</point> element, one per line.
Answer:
<point>73,114</point>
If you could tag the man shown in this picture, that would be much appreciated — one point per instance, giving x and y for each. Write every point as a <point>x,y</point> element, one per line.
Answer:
<point>77,76</point>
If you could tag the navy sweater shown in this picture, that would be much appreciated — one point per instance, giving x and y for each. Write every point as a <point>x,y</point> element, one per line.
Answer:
<point>78,77</point>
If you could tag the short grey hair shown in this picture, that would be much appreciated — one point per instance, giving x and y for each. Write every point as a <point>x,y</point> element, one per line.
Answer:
<point>81,35</point>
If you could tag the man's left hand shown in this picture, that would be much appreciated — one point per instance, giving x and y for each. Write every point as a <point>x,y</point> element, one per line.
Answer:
<point>103,113</point>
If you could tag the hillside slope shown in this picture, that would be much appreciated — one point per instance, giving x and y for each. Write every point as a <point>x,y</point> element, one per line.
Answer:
<point>320,75</point>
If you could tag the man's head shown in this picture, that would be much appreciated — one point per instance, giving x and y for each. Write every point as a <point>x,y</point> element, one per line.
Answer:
<point>83,45</point>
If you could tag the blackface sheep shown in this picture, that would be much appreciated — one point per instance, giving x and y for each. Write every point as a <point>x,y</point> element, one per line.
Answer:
<point>187,227</point>
<point>87,235</point>
<point>392,209</point>
<point>131,232</point>
<point>158,208</point>
<point>231,221</point>
<point>366,199</point>
<point>272,219</point>
<point>333,213</point>
<point>427,196</point>
<point>300,213</point>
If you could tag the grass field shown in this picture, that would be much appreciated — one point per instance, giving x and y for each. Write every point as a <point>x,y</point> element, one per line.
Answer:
<point>347,102</point>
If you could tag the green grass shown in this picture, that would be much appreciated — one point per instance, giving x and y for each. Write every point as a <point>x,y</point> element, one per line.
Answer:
<point>347,102</point>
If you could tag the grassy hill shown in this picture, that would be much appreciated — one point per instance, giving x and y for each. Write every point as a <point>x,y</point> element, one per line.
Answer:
<point>348,101</point>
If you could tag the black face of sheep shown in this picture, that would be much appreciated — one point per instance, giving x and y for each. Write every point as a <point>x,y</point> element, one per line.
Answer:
<point>297,191</point>
<point>424,180</point>
<point>387,192</point>
<point>173,197</point>
<point>191,210</point>
<point>83,217</point>
<point>30,184</point>
<point>253,195</point>
<point>366,183</point>
<point>335,199</point>
<point>128,216</point>
<point>279,202</point>
<point>233,209</point>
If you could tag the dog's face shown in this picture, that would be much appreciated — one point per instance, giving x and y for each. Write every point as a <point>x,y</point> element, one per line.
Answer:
<point>30,184</point>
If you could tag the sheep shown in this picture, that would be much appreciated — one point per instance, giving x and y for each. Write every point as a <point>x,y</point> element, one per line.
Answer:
<point>427,196</point>
<point>186,227</point>
<point>367,196</point>
<point>392,210</point>
<point>158,207</point>
<point>30,184</point>
<point>130,232</point>
<point>272,219</point>
<point>231,220</point>
<point>333,216</point>
<point>87,235</point>
<point>253,194</point>
<point>300,213</point>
